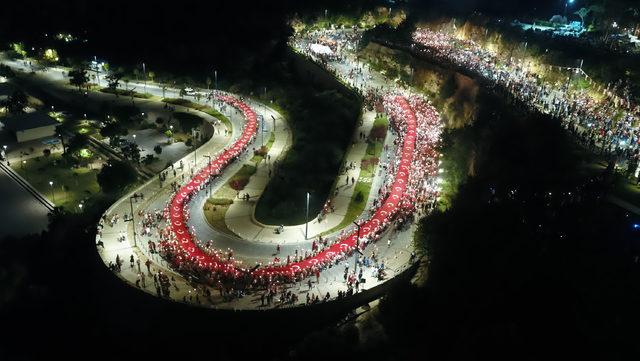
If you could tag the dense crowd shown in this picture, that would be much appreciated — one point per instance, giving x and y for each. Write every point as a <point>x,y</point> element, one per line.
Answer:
<point>609,122</point>
<point>405,189</point>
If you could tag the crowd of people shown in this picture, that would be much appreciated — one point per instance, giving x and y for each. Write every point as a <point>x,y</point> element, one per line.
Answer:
<point>417,136</point>
<point>609,122</point>
<point>409,186</point>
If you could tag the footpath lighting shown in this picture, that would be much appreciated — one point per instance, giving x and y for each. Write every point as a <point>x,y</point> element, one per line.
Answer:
<point>132,219</point>
<point>53,194</point>
<point>80,206</point>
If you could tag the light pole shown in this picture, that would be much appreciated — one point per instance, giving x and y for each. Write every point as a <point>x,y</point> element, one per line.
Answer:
<point>53,194</point>
<point>209,165</point>
<point>215,79</point>
<point>195,148</point>
<point>132,220</point>
<point>566,4</point>
<point>355,263</point>
<point>95,61</point>
<point>144,74</point>
<point>306,224</point>
<point>80,206</point>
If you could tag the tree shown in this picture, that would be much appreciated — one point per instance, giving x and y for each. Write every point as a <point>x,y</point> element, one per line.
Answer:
<point>6,71</point>
<point>78,142</point>
<point>50,56</point>
<point>113,129</point>
<point>115,176</point>
<point>157,149</point>
<point>78,77</point>
<point>208,82</point>
<point>17,50</point>
<point>113,80</point>
<point>131,151</point>
<point>151,75</point>
<point>16,102</point>
<point>582,13</point>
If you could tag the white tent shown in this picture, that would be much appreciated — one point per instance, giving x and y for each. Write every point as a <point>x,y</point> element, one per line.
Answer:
<point>321,49</point>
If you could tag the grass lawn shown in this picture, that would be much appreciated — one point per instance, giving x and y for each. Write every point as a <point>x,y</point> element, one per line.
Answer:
<point>214,214</point>
<point>363,185</point>
<point>127,93</point>
<point>216,207</point>
<point>241,178</point>
<point>70,186</point>
<point>203,108</point>
<point>258,158</point>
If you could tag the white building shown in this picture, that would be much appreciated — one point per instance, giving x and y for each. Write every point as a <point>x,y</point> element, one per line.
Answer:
<point>30,126</point>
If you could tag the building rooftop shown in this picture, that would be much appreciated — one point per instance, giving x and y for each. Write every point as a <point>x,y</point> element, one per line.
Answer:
<point>25,121</point>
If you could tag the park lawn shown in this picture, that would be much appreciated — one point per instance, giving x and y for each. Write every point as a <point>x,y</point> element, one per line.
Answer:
<point>127,93</point>
<point>216,207</point>
<point>70,186</point>
<point>215,214</point>
<point>242,176</point>
<point>363,186</point>
<point>203,108</point>
<point>258,158</point>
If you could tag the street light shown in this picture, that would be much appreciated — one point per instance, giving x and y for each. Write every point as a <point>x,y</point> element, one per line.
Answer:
<point>80,206</point>
<point>144,74</point>
<point>355,266</point>
<point>306,224</point>
<point>209,164</point>
<point>132,220</point>
<point>566,4</point>
<point>53,195</point>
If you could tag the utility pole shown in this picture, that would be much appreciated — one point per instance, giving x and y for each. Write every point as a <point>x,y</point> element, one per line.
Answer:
<point>306,225</point>
<point>132,219</point>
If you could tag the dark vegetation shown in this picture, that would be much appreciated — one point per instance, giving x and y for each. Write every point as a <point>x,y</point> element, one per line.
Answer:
<point>322,120</point>
<point>519,267</point>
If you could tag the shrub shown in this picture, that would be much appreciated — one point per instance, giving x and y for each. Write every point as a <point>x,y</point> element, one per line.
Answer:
<point>157,149</point>
<point>238,184</point>
<point>220,201</point>
<point>262,151</point>
<point>359,197</point>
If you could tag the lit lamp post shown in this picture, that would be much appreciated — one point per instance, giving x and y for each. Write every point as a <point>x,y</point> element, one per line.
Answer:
<point>80,206</point>
<point>355,263</point>
<point>132,220</point>
<point>144,74</point>
<point>209,157</point>
<point>53,194</point>
<point>134,138</point>
<point>566,4</point>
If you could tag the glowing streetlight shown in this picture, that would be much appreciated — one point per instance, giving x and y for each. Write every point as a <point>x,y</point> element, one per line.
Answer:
<point>53,194</point>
